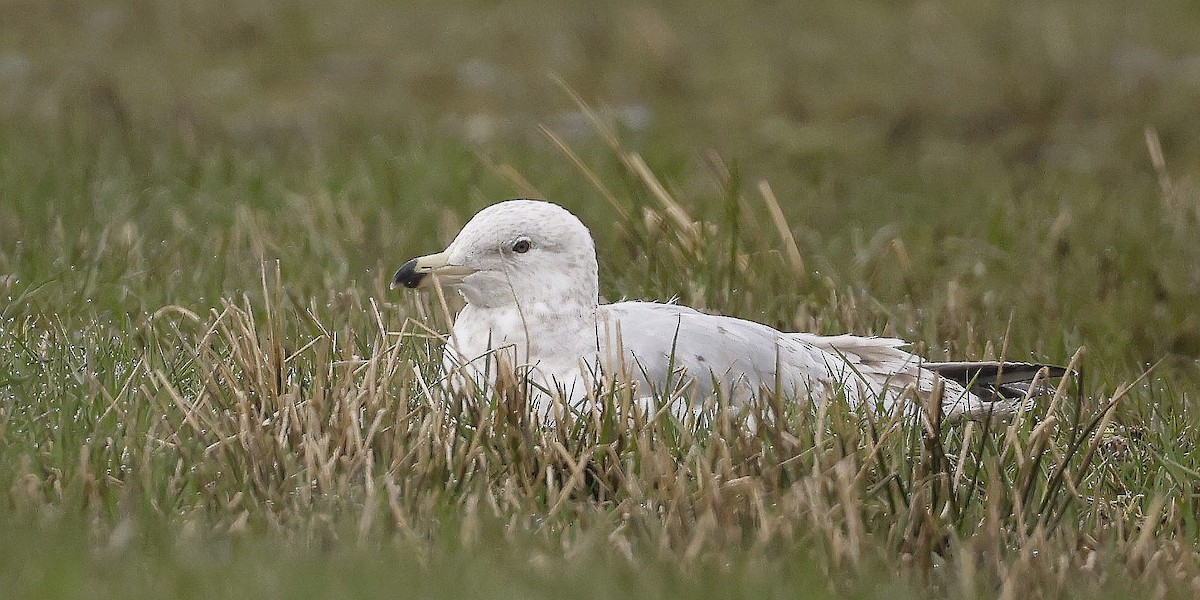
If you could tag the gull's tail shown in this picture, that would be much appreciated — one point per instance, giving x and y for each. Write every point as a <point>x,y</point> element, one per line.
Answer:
<point>973,391</point>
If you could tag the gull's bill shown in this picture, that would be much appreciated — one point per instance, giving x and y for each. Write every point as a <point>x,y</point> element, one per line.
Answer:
<point>415,273</point>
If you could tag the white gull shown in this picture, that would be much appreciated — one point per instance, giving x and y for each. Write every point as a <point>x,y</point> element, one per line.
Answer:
<point>528,273</point>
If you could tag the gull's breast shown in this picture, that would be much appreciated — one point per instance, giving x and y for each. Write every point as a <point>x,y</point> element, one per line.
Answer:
<point>548,347</point>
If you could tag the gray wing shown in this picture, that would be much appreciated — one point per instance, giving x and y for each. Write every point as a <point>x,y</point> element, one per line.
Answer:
<point>661,343</point>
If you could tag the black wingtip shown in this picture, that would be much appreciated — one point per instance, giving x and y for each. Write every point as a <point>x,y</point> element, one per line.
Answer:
<point>408,276</point>
<point>995,371</point>
<point>994,380</point>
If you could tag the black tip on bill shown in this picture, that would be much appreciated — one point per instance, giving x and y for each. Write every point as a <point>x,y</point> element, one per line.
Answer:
<point>408,276</point>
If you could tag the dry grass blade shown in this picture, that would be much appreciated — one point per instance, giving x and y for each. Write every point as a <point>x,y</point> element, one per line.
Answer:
<point>791,250</point>
<point>588,173</point>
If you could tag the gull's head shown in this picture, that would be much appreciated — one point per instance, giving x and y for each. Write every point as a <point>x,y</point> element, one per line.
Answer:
<point>523,252</point>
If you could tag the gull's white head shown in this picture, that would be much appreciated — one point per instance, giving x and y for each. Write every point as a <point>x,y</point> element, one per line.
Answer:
<point>525,252</point>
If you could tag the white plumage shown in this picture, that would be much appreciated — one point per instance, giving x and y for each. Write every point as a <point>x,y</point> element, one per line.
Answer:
<point>527,270</point>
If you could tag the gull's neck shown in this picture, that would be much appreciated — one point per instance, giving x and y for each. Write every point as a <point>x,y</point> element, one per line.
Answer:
<point>561,310</point>
<point>550,295</point>
<point>559,294</point>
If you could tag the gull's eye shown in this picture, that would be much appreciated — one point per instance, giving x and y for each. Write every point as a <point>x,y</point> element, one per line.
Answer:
<point>522,245</point>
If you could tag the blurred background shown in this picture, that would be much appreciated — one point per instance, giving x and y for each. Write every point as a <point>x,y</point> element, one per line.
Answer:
<point>1064,83</point>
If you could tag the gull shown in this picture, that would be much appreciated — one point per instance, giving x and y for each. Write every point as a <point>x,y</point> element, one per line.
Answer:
<point>527,270</point>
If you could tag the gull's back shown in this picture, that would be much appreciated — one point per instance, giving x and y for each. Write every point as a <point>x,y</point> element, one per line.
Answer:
<point>668,346</point>
<point>665,345</point>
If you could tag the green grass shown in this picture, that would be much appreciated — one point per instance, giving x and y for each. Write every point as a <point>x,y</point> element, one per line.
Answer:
<point>206,388</point>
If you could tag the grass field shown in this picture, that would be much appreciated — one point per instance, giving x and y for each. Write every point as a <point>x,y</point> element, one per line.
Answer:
<point>207,389</point>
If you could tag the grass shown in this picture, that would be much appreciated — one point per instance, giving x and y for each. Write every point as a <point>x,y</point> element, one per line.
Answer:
<point>206,388</point>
